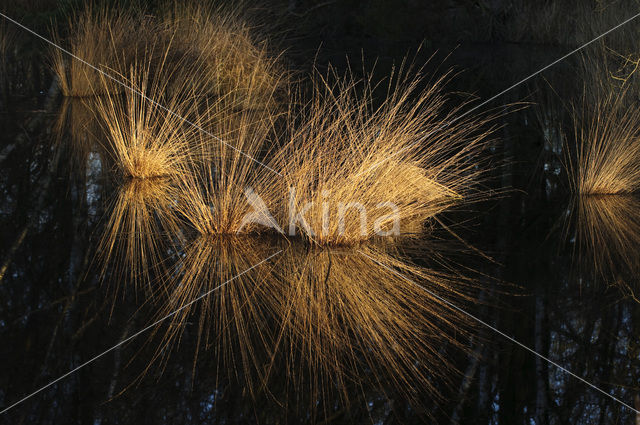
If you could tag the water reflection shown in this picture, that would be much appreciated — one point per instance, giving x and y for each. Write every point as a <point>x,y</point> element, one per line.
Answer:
<point>139,231</point>
<point>606,233</point>
<point>318,326</point>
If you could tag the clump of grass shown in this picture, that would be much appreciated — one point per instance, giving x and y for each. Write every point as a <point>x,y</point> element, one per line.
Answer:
<point>213,192</point>
<point>340,157</point>
<point>607,153</point>
<point>147,135</point>
<point>108,39</point>
<point>236,64</point>
<point>348,150</point>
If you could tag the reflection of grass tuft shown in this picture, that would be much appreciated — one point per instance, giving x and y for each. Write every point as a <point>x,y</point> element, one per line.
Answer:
<point>607,234</point>
<point>140,222</point>
<point>324,321</point>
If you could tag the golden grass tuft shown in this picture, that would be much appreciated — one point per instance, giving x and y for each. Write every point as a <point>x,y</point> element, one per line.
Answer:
<point>236,64</point>
<point>213,197</point>
<point>147,135</point>
<point>607,155</point>
<point>348,148</point>
<point>108,39</point>
<point>402,161</point>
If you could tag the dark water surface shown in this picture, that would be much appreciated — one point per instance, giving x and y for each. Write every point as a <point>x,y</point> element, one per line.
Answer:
<point>557,274</point>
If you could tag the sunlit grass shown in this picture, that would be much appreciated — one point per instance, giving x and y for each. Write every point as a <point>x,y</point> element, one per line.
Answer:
<point>607,155</point>
<point>348,151</point>
<point>236,64</point>
<point>107,39</point>
<point>212,193</point>
<point>340,157</point>
<point>145,128</point>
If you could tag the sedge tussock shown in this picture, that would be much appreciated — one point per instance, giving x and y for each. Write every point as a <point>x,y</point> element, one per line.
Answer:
<point>607,152</point>
<point>607,232</point>
<point>402,159</point>
<point>213,192</point>
<point>235,63</point>
<point>108,39</point>
<point>147,135</point>
<point>318,315</point>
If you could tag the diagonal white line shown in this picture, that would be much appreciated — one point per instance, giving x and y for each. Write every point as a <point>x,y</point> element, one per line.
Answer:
<point>524,80</point>
<point>139,93</point>
<point>124,341</point>
<point>482,322</point>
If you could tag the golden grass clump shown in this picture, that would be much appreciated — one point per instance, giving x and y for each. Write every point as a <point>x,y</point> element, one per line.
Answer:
<point>318,316</point>
<point>106,38</point>
<point>147,135</point>
<point>349,170</point>
<point>236,64</point>
<point>607,155</point>
<point>401,159</point>
<point>230,166</point>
